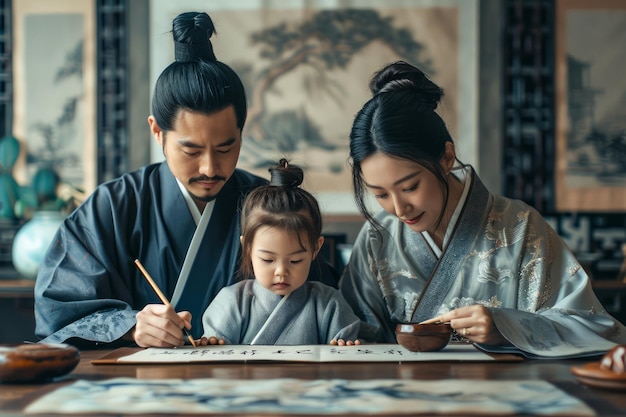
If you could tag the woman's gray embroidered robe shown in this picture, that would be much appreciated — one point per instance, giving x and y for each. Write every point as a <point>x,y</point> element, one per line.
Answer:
<point>502,254</point>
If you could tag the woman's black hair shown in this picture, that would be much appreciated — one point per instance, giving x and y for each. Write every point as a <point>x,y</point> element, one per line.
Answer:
<point>281,204</point>
<point>196,81</point>
<point>399,121</point>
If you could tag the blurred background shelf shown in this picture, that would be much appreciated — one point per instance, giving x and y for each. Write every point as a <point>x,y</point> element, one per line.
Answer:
<point>17,322</point>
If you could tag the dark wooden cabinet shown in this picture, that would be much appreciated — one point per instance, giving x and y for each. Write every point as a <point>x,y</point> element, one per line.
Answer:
<point>612,294</point>
<point>17,310</point>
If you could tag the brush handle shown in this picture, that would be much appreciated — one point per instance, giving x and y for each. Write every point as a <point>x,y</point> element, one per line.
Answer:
<point>162,297</point>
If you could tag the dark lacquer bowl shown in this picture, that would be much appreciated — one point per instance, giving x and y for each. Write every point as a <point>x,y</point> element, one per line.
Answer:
<point>36,362</point>
<point>423,337</point>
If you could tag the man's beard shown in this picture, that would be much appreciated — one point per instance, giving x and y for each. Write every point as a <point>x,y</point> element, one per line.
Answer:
<point>205,199</point>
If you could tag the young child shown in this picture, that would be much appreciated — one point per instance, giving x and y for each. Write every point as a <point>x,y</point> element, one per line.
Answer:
<point>281,227</point>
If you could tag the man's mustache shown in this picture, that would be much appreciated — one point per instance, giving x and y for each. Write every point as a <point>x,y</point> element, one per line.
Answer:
<point>205,178</point>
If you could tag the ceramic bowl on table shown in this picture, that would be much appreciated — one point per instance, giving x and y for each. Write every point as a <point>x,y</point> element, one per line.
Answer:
<point>423,337</point>
<point>36,362</point>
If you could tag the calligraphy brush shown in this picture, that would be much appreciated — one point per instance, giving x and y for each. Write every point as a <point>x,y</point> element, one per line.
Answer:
<point>164,300</point>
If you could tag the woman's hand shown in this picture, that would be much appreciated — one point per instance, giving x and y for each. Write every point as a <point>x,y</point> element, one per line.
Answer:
<point>159,325</point>
<point>212,340</point>
<point>474,323</point>
<point>341,342</point>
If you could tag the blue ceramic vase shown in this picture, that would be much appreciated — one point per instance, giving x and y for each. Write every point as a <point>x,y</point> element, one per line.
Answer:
<point>32,240</point>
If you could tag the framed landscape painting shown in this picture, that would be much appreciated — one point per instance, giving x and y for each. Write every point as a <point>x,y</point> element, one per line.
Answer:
<point>306,66</point>
<point>591,106</point>
<point>54,89</point>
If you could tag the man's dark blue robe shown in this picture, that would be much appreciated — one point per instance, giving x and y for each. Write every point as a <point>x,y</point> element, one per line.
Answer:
<point>88,288</point>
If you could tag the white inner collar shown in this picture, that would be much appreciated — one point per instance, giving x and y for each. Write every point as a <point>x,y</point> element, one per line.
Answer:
<point>466,180</point>
<point>193,208</point>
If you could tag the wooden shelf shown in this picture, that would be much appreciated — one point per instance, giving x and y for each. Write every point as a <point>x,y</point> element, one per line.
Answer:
<point>16,288</point>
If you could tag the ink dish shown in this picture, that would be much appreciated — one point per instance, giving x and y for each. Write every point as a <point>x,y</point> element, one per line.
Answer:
<point>423,337</point>
<point>36,362</point>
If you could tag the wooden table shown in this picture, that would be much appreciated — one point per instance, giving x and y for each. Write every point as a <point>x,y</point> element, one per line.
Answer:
<point>13,397</point>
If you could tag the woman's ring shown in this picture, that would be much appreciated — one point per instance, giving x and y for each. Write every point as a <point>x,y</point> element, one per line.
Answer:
<point>465,331</point>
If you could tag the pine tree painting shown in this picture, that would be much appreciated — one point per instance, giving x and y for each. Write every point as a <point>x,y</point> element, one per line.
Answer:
<point>306,73</point>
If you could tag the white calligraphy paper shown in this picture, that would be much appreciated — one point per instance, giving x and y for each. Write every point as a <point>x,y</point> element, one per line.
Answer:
<point>311,397</point>
<point>304,353</point>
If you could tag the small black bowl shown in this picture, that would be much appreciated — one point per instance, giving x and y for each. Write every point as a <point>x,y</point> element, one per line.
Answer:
<point>423,337</point>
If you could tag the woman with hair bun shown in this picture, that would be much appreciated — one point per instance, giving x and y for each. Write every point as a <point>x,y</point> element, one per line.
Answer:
<point>445,249</point>
<point>179,217</point>
<point>281,235</point>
